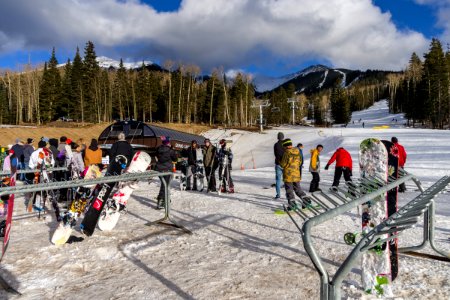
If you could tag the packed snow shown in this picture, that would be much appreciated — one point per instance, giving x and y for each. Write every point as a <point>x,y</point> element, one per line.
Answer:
<point>239,248</point>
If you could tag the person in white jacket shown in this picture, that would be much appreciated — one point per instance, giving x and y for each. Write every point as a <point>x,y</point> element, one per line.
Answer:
<point>47,156</point>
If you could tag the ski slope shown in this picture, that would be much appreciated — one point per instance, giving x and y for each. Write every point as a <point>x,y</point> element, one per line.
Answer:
<point>239,249</point>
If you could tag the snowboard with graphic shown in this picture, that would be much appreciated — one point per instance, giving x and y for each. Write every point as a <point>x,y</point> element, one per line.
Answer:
<point>392,202</point>
<point>76,208</point>
<point>112,211</point>
<point>373,161</point>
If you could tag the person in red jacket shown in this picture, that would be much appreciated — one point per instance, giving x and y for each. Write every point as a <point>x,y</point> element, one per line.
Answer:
<point>344,165</point>
<point>401,160</point>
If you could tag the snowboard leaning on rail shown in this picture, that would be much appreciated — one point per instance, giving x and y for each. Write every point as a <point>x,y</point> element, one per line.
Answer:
<point>95,208</point>
<point>392,202</point>
<point>111,213</point>
<point>82,195</point>
<point>376,270</point>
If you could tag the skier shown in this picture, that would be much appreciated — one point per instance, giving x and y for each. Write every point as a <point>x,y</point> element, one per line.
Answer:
<point>343,165</point>
<point>225,159</point>
<point>121,147</point>
<point>290,162</point>
<point>314,168</point>
<point>210,162</point>
<point>278,152</point>
<point>300,148</point>
<point>166,158</point>
<point>401,160</point>
<point>190,154</point>
<point>93,154</point>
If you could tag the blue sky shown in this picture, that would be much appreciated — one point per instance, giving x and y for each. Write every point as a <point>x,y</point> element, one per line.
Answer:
<point>267,37</point>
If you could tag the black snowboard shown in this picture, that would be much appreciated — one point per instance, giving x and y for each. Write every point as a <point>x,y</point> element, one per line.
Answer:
<point>392,202</point>
<point>92,215</point>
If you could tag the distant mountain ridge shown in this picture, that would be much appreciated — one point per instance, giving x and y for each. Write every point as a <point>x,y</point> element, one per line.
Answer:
<point>309,80</point>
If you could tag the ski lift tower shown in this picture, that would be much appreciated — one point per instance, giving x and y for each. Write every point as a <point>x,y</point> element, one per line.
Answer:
<point>293,102</point>
<point>260,103</point>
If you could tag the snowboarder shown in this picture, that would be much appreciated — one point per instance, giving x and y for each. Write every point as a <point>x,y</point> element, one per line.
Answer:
<point>210,161</point>
<point>290,162</point>
<point>300,148</point>
<point>401,160</point>
<point>344,165</point>
<point>225,159</point>
<point>278,152</point>
<point>166,158</point>
<point>121,147</point>
<point>314,168</point>
<point>190,154</point>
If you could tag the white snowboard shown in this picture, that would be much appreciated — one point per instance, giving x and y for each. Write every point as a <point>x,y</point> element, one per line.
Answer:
<point>109,217</point>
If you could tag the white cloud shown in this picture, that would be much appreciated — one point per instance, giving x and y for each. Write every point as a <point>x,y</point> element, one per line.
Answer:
<point>231,33</point>
<point>443,16</point>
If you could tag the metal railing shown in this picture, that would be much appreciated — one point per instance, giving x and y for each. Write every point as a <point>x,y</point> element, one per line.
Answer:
<point>327,206</point>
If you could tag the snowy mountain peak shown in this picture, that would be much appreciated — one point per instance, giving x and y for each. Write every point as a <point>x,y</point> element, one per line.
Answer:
<point>106,62</point>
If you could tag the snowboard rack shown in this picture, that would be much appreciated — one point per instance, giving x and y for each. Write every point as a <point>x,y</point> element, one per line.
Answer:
<point>342,200</point>
<point>139,176</point>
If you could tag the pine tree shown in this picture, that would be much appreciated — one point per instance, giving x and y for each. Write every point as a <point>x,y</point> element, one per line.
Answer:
<point>340,104</point>
<point>91,71</point>
<point>77,90</point>
<point>50,93</point>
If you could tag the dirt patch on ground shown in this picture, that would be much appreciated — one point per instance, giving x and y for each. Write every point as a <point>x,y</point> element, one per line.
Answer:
<point>76,131</point>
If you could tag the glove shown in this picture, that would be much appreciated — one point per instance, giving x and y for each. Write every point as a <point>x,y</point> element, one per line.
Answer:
<point>327,166</point>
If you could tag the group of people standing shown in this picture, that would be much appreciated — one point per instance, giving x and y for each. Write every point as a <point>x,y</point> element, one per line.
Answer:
<point>289,162</point>
<point>212,159</point>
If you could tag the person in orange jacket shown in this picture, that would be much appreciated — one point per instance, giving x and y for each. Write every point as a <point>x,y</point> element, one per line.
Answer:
<point>401,160</point>
<point>344,165</point>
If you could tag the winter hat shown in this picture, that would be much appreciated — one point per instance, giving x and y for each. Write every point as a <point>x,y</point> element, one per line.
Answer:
<point>30,140</point>
<point>280,136</point>
<point>11,151</point>
<point>68,141</point>
<point>17,141</point>
<point>299,145</point>
<point>166,140</point>
<point>42,144</point>
<point>287,142</point>
<point>222,142</point>
<point>53,142</point>
<point>207,141</point>
<point>394,140</point>
<point>45,139</point>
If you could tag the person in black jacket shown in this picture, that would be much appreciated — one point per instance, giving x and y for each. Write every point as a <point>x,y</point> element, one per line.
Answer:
<point>119,149</point>
<point>225,157</point>
<point>190,154</point>
<point>166,158</point>
<point>278,151</point>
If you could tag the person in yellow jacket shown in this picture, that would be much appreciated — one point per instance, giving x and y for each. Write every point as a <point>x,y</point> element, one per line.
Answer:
<point>290,162</point>
<point>314,168</point>
<point>93,154</point>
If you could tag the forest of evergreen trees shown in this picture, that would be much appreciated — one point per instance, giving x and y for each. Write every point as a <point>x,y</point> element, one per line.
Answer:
<point>422,92</point>
<point>83,91</point>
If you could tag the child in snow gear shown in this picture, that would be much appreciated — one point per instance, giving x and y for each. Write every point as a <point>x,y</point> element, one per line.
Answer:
<point>278,151</point>
<point>314,168</point>
<point>290,162</point>
<point>166,158</point>
<point>401,160</point>
<point>343,165</point>
<point>210,162</point>
<point>225,159</point>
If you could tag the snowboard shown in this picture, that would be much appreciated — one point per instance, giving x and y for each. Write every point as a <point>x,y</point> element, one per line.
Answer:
<point>199,174</point>
<point>95,208</point>
<point>373,161</point>
<point>224,173</point>
<point>76,208</point>
<point>392,202</point>
<point>111,214</point>
<point>7,208</point>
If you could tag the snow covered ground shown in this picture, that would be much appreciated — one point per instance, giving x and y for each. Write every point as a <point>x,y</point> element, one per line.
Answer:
<point>239,248</point>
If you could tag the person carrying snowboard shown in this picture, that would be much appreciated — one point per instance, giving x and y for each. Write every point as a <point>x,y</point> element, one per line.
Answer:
<point>166,157</point>
<point>225,159</point>
<point>343,165</point>
<point>210,162</point>
<point>401,160</point>
<point>314,168</point>
<point>278,151</point>
<point>190,154</point>
<point>290,162</point>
